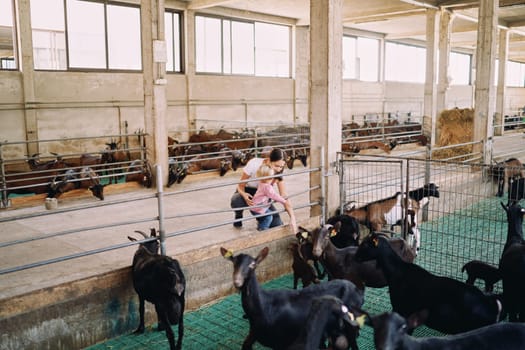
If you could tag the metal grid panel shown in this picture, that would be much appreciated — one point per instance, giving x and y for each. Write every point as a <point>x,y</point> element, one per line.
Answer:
<point>466,222</point>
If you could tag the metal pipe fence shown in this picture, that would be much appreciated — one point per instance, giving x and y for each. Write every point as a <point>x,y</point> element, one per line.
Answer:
<point>184,222</point>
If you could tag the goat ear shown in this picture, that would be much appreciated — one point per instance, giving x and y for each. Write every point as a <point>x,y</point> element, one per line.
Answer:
<point>132,239</point>
<point>262,255</point>
<point>227,254</point>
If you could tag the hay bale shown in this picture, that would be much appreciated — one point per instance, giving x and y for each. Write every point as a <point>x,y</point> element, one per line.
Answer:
<point>454,127</point>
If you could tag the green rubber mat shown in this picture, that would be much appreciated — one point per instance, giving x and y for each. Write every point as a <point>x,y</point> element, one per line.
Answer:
<point>475,232</point>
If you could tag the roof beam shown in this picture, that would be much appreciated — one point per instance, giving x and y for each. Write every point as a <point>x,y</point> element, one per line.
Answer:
<point>202,4</point>
<point>374,16</point>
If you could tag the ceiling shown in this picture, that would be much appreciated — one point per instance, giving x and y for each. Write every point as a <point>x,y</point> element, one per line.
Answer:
<point>397,19</point>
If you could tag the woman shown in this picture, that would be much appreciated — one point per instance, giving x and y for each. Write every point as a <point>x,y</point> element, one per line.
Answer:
<point>246,190</point>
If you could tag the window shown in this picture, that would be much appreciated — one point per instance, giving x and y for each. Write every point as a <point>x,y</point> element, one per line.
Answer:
<point>459,68</point>
<point>349,57</point>
<point>49,35</point>
<point>99,36</point>
<point>7,34</point>
<point>515,74</point>
<point>360,58</point>
<point>172,23</point>
<point>405,63</point>
<point>227,46</point>
<point>92,27</point>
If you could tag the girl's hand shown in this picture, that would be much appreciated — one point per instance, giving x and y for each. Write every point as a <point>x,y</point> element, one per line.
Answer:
<point>248,199</point>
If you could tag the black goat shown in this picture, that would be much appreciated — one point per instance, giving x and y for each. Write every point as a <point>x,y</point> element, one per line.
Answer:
<point>428,190</point>
<point>159,280</point>
<point>390,332</point>
<point>301,267</point>
<point>348,234</point>
<point>453,306</point>
<point>340,263</point>
<point>277,316</point>
<point>329,317</point>
<point>478,269</point>
<point>512,264</point>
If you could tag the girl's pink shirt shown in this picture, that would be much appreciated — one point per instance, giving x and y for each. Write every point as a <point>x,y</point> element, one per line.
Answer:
<point>264,192</point>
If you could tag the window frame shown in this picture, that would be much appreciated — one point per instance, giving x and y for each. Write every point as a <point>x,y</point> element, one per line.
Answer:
<point>222,48</point>
<point>105,3</point>
<point>181,41</point>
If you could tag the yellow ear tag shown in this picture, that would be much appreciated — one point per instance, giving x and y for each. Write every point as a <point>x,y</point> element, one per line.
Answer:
<point>333,232</point>
<point>228,254</point>
<point>304,235</point>
<point>375,241</point>
<point>361,320</point>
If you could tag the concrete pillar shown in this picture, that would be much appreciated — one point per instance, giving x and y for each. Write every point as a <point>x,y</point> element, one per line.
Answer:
<point>26,65</point>
<point>326,35</point>
<point>430,97</point>
<point>154,67</point>
<point>189,28</point>
<point>445,25</point>
<point>485,59</point>
<point>503,52</point>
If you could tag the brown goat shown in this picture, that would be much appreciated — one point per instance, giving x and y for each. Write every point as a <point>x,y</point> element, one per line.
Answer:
<point>390,211</point>
<point>111,157</point>
<point>140,171</point>
<point>221,161</point>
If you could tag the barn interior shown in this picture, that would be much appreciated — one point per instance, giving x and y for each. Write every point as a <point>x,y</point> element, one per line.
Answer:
<point>65,269</point>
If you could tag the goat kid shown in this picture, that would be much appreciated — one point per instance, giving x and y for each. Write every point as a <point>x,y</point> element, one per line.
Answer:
<point>512,264</point>
<point>390,333</point>
<point>478,269</point>
<point>302,269</point>
<point>277,316</point>
<point>159,280</point>
<point>453,306</point>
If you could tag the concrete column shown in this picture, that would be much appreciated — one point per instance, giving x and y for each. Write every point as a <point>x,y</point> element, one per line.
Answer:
<point>189,28</point>
<point>154,73</point>
<point>26,65</point>
<point>430,97</point>
<point>485,59</point>
<point>503,53</point>
<point>326,35</point>
<point>445,24</point>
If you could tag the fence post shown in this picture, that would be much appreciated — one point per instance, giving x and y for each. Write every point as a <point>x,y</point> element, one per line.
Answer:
<point>4,199</point>
<point>160,191</point>
<point>323,186</point>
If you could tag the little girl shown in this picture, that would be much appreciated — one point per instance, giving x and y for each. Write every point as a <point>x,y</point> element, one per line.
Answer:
<point>261,200</point>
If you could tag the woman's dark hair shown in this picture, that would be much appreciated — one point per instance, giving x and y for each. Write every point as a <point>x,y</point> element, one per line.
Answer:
<point>277,154</point>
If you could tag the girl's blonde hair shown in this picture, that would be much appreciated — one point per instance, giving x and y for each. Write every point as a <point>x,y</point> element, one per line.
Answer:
<point>265,170</point>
